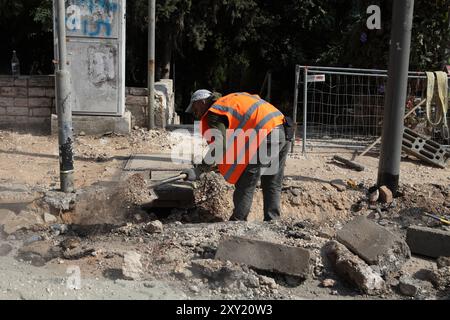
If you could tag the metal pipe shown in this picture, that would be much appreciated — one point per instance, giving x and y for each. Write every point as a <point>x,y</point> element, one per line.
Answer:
<point>394,109</point>
<point>312,68</point>
<point>62,47</point>
<point>361,74</point>
<point>305,109</point>
<point>151,63</point>
<point>64,106</point>
<point>294,112</point>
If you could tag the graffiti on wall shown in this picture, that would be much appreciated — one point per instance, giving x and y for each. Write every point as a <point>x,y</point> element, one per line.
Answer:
<point>91,18</point>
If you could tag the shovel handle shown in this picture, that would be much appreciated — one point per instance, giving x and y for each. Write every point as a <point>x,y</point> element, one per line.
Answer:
<point>181,176</point>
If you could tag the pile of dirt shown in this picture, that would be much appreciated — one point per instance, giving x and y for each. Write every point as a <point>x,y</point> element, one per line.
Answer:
<point>135,191</point>
<point>110,203</point>
<point>213,197</point>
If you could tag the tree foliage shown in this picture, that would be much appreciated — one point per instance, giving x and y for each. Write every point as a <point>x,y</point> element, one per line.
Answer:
<point>229,45</point>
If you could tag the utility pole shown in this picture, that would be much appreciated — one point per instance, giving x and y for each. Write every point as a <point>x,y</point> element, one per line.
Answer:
<point>151,63</point>
<point>64,105</point>
<point>394,107</point>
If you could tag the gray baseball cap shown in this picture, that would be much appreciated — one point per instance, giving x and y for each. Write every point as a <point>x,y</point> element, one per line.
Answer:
<point>197,96</point>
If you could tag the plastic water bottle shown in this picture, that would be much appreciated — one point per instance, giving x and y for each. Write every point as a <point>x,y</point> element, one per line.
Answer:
<point>15,65</point>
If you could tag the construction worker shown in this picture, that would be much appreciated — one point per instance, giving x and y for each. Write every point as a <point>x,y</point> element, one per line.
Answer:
<point>244,126</point>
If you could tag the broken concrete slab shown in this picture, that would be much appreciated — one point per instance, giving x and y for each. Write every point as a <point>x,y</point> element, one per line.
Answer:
<point>60,200</point>
<point>374,244</point>
<point>353,269</point>
<point>132,266</point>
<point>157,162</point>
<point>428,242</point>
<point>265,256</point>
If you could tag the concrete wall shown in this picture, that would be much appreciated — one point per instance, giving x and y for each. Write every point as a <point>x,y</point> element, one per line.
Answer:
<point>26,103</point>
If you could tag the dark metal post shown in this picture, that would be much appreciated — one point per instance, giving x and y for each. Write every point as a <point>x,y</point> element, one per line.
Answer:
<point>151,63</point>
<point>394,108</point>
<point>64,106</point>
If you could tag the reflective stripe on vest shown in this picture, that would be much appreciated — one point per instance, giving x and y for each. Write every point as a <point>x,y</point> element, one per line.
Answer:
<point>242,153</point>
<point>243,116</point>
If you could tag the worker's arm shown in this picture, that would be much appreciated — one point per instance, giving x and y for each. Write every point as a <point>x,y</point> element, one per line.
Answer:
<point>220,124</point>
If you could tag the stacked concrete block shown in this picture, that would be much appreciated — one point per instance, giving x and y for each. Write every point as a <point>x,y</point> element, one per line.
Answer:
<point>137,104</point>
<point>26,102</point>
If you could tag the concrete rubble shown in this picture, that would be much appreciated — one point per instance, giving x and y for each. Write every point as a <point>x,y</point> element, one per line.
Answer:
<point>338,237</point>
<point>132,266</point>
<point>353,269</point>
<point>374,244</point>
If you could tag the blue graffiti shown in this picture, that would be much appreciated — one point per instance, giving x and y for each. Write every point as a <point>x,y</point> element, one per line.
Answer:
<point>107,5</point>
<point>98,26</point>
<point>99,20</point>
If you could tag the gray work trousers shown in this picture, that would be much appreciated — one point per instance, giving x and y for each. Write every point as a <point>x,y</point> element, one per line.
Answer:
<point>271,182</point>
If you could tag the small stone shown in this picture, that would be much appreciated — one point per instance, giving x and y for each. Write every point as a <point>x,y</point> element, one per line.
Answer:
<point>82,134</point>
<point>136,127</point>
<point>70,243</point>
<point>408,287</point>
<point>132,266</point>
<point>267,281</point>
<point>33,238</point>
<point>194,289</point>
<point>373,196</point>
<point>252,281</point>
<point>295,191</point>
<point>328,283</point>
<point>59,228</point>
<point>5,249</point>
<point>386,195</point>
<point>154,227</point>
<point>443,262</point>
<point>49,218</point>
<point>297,200</point>
<point>339,184</point>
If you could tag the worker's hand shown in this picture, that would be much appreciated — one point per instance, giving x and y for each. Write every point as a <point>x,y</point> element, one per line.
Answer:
<point>193,174</point>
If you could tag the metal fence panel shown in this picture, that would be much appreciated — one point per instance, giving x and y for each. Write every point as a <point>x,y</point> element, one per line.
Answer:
<point>347,104</point>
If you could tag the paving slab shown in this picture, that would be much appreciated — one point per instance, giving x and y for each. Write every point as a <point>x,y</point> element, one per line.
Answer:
<point>428,242</point>
<point>266,256</point>
<point>374,244</point>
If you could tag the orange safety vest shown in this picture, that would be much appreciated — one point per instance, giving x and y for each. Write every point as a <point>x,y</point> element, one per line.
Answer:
<point>246,114</point>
